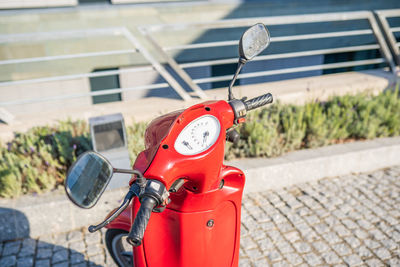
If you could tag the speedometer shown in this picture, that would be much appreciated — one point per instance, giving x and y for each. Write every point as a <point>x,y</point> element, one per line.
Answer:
<point>199,135</point>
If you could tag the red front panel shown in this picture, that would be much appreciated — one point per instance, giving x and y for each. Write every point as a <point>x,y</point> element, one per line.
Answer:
<point>176,238</point>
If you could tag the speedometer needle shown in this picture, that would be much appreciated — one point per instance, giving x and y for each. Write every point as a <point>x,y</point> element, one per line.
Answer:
<point>205,135</point>
<point>185,143</point>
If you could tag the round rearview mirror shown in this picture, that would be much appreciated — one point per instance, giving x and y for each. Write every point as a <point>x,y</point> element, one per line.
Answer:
<point>87,179</point>
<point>254,40</point>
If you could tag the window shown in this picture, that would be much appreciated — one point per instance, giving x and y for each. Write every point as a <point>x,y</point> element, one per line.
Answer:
<point>105,83</point>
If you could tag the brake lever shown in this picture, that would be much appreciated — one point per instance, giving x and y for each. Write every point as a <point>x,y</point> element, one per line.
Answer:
<point>134,190</point>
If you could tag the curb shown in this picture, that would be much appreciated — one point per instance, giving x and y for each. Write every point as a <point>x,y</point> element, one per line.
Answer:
<point>313,164</point>
<point>34,216</point>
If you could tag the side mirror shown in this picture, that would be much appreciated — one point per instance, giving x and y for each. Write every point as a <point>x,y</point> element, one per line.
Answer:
<point>87,179</point>
<point>254,40</point>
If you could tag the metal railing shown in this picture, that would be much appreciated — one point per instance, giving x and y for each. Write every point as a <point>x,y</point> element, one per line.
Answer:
<point>151,31</point>
<point>181,68</point>
<point>390,30</point>
<point>45,36</point>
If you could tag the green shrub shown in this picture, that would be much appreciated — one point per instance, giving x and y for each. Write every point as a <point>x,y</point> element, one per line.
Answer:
<point>282,128</point>
<point>37,160</point>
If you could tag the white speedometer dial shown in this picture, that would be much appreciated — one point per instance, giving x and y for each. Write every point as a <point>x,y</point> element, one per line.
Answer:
<point>198,135</point>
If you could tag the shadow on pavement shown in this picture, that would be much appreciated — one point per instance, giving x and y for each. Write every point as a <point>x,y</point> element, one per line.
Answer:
<point>76,248</point>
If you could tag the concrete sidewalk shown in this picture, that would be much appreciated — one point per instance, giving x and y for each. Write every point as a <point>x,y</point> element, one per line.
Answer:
<point>352,220</point>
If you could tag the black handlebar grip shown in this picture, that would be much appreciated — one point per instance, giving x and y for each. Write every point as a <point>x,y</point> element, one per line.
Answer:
<point>136,234</point>
<point>258,101</point>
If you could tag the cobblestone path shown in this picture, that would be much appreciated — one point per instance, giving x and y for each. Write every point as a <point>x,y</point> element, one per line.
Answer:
<point>351,220</point>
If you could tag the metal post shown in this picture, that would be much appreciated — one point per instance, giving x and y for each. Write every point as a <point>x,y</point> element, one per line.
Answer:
<point>381,41</point>
<point>174,65</point>
<point>382,15</point>
<point>163,72</point>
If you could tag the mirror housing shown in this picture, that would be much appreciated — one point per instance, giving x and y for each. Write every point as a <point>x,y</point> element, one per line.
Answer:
<point>253,41</point>
<point>87,179</point>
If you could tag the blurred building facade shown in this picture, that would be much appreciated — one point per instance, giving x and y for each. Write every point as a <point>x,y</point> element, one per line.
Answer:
<point>23,23</point>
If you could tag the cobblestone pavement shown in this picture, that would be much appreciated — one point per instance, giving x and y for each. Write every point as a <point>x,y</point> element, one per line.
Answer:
<point>349,221</point>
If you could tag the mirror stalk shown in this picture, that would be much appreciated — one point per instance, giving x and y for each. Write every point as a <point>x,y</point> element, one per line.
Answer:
<point>238,69</point>
<point>140,180</point>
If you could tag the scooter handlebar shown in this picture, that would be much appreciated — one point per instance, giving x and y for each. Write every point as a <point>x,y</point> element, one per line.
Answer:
<point>258,101</point>
<point>136,234</point>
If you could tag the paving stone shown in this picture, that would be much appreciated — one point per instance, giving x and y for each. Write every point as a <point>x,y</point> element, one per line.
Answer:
<point>265,244</point>
<point>44,244</point>
<point>42,263</point>
<point>94,250</point>
<point>60,256</point>
<point>78,246</point>
<point>257,234</point>
<point>292,236</point>
<point>25,262</point>
<point>302,247</point>
<point>77,258</point>
<point>363,252</point>
<point>330,257</point>
<point>28,248</point>
<point>60,239</point>
<point>341,230</point>
<point>312,219</point>
<point>61,264</point>
<point>294,258</point>
<point>8,261</point>
<point>244,262</point>
<point>93,238</point>
<point>393,261</point>
<point>331,238</point>
<point>320,246</point>
<point>372,244</point>
<point>267,226</point>
<point>342,249</point>
<point>248,243</point>
<point>395,235</point>
<point>275,236</point>
<point>361,234</point>
<point>83,264</point>
<point>273,255</point>
<point>350,224</point>
<point>312,259</point>
<point>261,262</point>
<point>390,244</point>
<point>322,228</point>
<point>382,253</point>
<point>11,248</point>
<point>280,264</point>
<point>284,247</point>
<point>44,253</point>
<point>285,227</point>
<point>254,254</point>
<point>74,236</point>
<point>374,263</point>
<point>353,260</point>
<point>96,260</point>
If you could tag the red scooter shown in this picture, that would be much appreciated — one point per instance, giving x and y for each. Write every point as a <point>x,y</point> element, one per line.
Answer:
<point>180,181</point>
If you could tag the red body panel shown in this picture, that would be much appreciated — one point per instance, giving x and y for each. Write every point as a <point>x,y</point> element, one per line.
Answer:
<point>181,234</point>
